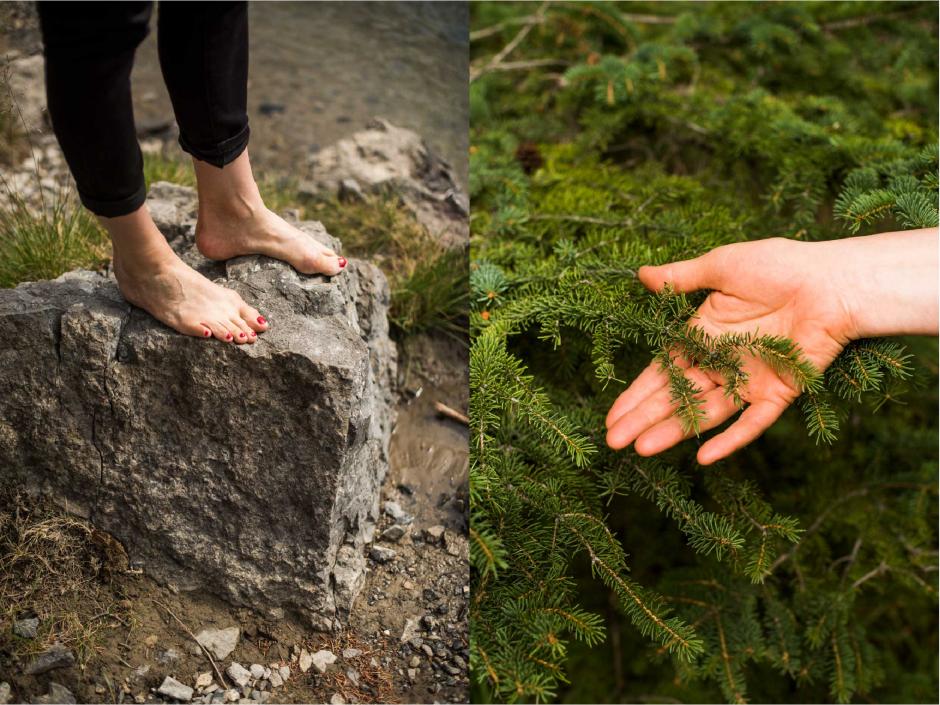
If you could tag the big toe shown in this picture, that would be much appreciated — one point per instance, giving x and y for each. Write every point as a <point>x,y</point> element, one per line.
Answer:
<point>323,262</point>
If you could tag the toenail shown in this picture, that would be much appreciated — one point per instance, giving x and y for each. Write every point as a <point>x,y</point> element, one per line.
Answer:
<point>208,333</point>
<point>228,336</point>
<point>253,334</point>
<point>241,335</point>
<point>261,320</point>
<point>342,261</point>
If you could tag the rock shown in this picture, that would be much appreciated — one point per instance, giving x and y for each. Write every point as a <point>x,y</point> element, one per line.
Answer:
<point>276,680</point>
<point>204,680</point>
<point>172,688</point>
<point>240,675</point>
<point>394,510</point>
<point>5,694</point>
<point>352,653</point>
<point>353,676</point>
<point>350,191</point>
<point>231,696</point>
<point>285,672</point>
<point>57,694</point>
<point>409,631</point>
<point>412,674</point>
<point>415,661</point>
<point>56,656</point>
<point>381,554</point>
<point>169,656</point>
<point>434,533</point>
<point>257,671</point>
<point>393,533</point>
<point>26,628</point>
<point>384,156</point>
<point>133,426</point>
<point>323,658</point>
<point>337,699</point>
<point>304,661</point>
<point>219,642</point>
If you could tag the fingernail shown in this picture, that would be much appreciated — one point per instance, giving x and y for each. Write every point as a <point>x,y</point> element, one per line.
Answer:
<point>261,320</point>
<point>228,336</point>
<point>342,262</point>
<point>208,333</point>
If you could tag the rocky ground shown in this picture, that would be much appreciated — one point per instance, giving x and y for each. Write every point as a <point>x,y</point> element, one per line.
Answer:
<point>407,638</point>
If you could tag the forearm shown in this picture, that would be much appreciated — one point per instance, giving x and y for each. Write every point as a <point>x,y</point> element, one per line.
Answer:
<point>889,282</point>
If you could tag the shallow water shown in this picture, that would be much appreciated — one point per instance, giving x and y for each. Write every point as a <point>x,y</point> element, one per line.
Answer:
<point>332,66</point>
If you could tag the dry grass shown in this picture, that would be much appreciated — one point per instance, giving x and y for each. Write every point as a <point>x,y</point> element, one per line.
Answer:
<point>378,681</point>
<point>59,569</point>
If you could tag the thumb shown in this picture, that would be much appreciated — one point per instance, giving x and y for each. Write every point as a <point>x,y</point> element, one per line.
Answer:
<point>683,276</point>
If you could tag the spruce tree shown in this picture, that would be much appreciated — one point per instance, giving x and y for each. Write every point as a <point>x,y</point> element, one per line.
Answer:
<point>608,136</point>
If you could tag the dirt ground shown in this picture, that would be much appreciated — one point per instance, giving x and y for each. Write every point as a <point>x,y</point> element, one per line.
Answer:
<point>409,623</point>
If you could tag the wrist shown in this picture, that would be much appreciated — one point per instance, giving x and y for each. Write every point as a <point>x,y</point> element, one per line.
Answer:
<point>884,284</point>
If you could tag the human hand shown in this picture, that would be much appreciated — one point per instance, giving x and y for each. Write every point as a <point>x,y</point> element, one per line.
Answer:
<point>816,294</point>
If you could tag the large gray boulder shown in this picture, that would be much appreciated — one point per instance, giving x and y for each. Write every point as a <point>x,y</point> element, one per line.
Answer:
<point>250,471</point>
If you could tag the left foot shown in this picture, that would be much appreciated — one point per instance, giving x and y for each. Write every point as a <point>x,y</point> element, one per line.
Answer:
<point>223,233</point>
<point>234,221</point>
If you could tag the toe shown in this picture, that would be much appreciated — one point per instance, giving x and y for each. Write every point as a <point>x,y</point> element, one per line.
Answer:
<point>243,334</point>
<point>219,330</point>
<point>197,330</point>
<point>324,262</point>
<point>253,318</point>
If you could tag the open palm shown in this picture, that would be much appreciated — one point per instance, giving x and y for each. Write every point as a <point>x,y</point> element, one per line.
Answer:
<point>756,288</point>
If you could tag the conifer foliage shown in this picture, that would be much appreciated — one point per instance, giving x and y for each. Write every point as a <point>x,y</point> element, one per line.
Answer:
<point>607,136</point>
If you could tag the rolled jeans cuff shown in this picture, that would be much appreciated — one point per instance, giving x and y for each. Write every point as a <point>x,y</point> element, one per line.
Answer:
<point>112,208</point>
<point>219,154</point>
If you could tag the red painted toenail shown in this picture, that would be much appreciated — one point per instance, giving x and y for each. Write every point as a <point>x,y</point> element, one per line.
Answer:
<point>208,333</point>
<point>261,320</point>
<point>228,336</point>
<point>241,335</point>
<point>342,261</point>
<point>253,334</point>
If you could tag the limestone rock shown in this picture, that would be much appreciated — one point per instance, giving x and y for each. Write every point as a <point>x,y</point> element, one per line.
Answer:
<point>26,628</point>
<point>384,156</point>
<point>137,428</point>
<point>323,658</point>
<point>219,642</point>
<point>56,656</point>
<point>172,688</point>
<point>57,694</point>
<point>240,675</point>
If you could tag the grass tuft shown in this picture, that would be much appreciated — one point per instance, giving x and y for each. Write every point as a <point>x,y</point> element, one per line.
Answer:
<point>54,567</point>
<point>44,242</point>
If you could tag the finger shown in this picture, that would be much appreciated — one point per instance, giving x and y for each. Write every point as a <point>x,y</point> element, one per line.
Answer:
<point>650,380</point>
<point>684,276</point>
<point>754,420</point>
<point>717,408</point>
<point>655,408</point>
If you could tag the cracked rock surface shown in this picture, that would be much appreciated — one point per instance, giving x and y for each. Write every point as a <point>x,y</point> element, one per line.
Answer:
<point>249,471</point>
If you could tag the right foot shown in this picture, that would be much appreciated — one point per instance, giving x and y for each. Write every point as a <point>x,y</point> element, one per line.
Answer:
<point>175,294</point>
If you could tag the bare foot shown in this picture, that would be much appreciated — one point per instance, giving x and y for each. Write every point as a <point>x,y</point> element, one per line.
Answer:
<point>223,233</point>
<point>152,277</point>
<point>234,221</point>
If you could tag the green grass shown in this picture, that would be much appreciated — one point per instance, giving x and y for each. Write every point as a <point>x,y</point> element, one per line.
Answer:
<point>46,242</point>
<point>158,167</point>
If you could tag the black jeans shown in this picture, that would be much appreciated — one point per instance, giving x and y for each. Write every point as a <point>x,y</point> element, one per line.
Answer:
<point>89,50</point>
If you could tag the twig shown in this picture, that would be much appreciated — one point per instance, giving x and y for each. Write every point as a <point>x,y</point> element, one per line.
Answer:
<point>451,413</point>
<point>193,637</point>
<point>861,21</point>
<point>513,43</point>
<point>500,26</point>
<point>530,64</point>
<point>875,572</point>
